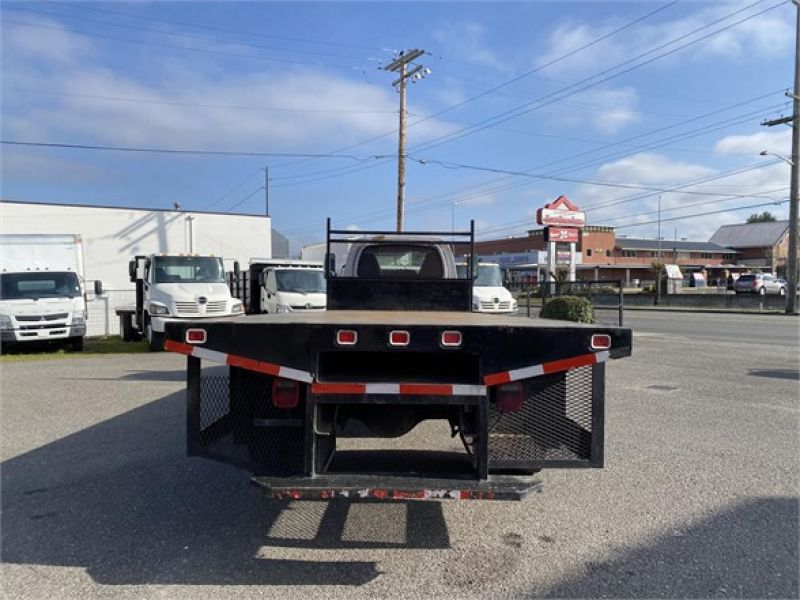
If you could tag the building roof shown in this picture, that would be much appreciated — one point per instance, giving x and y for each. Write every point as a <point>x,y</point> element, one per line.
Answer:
<point>750,235</point>
<point>670,245</point>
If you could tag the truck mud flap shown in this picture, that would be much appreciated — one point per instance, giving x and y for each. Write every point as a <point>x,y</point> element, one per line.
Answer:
<point>560,423</point>
<point>231,418</point>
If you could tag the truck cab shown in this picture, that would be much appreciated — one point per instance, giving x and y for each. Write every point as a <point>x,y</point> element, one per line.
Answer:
<point>488,293</point>
<point>42,295</point>
<point>284,286</point>
<point>175,287</point>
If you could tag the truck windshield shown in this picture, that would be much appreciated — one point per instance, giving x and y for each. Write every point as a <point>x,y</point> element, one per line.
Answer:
<point>188,269</point>
<point>39,284</point>
<point>304,281</point>
<point>489,276</point>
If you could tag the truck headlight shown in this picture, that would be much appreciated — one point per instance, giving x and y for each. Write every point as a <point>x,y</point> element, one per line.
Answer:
<point>236,307</point>
<point>78,318</point>
<point>5,323</point>
<point>513,305</point>
<point>284,308</point>
<point>158,309</point>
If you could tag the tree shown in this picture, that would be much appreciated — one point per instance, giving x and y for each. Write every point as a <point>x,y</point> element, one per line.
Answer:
<point>765,217</point>
<point>658,270</point>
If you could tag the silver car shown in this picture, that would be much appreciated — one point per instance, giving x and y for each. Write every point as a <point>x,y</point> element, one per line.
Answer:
<point>759,283</point>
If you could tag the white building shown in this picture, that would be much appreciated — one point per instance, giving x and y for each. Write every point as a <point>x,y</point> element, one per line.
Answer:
<point>113,235</point>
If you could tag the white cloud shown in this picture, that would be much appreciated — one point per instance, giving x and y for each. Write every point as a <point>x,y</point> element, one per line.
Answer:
<point>779,141</point>
<point>769,35</point>
<point>50,42</point>
<point>466,38</point>
<point>617,207</point>
<point>167,119</point>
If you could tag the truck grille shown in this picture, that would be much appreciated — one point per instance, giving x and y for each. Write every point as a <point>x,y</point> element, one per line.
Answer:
<point>53,317</point>
<point>505,305</point>
<point>187,307</point>
<point>308,307</point>
<point>218,306</point>
<point>554,424</point>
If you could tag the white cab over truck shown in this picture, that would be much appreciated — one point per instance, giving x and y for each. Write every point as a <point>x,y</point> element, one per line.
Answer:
<point>173,287</point>
<point>488,293</point>
<point>283,286</point>
<point>42,289</point>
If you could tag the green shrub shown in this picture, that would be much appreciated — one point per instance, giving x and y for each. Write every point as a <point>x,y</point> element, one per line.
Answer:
<point>569,308</point>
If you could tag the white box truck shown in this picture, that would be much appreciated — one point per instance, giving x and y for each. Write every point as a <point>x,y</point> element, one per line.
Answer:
<point>488,293</point>
<point>284,285</point>
<point>42,289</point>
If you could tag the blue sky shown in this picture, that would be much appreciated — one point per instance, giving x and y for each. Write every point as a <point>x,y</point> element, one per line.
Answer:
<point>528,89</point>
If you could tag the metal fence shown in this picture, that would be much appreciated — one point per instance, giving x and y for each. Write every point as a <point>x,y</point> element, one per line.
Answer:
<point>606,296</point>
<point>100,317</point>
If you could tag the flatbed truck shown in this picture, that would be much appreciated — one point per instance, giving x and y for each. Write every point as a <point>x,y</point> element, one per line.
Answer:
<point>398,345</point>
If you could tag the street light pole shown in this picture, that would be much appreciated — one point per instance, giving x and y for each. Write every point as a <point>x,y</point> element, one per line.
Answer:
<point>453,216</point>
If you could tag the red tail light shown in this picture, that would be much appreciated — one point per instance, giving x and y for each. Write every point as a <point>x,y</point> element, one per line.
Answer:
<point>285,393</point>
<point>601,341</point>
<point>346,337</point>
<point>195,336</point>
<point>451,339</point>
<point>399,338</point>
<point>509,397</point>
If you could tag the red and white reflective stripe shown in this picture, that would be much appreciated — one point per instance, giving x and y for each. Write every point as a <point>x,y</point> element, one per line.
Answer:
<point>394,389</point>
<point>239,361</point>
<point>554,366</point>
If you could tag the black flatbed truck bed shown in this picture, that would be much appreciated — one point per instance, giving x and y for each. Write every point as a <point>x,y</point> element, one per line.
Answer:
<point>522,394</point>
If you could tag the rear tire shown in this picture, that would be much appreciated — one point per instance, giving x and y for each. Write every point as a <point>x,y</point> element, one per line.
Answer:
<point>76,344</point>
<point>126,327</point>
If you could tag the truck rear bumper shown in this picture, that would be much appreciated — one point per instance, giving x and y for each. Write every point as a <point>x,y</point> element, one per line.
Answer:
<point>329,486</point>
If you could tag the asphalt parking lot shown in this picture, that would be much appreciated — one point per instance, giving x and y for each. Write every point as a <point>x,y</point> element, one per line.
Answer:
<point>699,497</point>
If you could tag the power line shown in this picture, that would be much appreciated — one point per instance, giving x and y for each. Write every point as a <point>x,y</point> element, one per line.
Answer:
<point>214,28</point>
<point>514,113</point>
<point>704,214</point>
<point>183,35</point>
<point>196,105</point>
<point>229,192</point>
<point>175,47</point>
<point>240,202</point>
<point>182,151</point>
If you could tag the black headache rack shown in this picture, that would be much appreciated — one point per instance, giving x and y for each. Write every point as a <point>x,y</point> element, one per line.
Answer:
<point>233,416</point>
<point>378,286</point>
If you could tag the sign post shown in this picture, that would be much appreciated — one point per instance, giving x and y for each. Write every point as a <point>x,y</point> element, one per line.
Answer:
<point>563,221</point>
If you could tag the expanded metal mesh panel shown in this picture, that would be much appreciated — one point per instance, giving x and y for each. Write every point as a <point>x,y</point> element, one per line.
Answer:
<point>555,422</point>
<point>237,421</point>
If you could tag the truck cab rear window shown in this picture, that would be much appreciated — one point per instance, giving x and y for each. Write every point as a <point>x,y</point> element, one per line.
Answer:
<point>400,262</point>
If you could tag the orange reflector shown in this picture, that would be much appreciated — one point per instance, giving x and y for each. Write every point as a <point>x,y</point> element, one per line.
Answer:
<point>451,339</point>
<point>399,338</point>
<point>509,397</point>
<point>285,393</point>
<point>346,337</point>
<point>601,341</point>
<point>195,336</point>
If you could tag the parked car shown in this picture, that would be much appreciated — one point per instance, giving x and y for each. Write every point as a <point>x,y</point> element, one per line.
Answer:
<point>759,283</point>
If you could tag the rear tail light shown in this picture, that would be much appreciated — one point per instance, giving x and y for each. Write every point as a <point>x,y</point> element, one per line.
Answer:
<point>285,393</point>
<point>195,336</point>
<point>451,339</point>
<point>399,338</point>
<point>601,341</point>
<point>346,337</point>
<point>509,397</point>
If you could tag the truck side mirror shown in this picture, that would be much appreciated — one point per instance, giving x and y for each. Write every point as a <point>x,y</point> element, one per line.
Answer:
<point>237,270</point>
<point>132,270</point>
<point>330,264</point>
<point>98,287</point>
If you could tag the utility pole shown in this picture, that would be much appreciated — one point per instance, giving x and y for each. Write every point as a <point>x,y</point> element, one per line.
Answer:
<point>266,190</point>
<point>399,65</point>
<point>794,180</point>
<point>658,260</point>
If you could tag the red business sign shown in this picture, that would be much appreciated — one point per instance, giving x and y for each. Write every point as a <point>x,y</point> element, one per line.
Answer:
<point>561,211</point>
<point>561,234</point>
